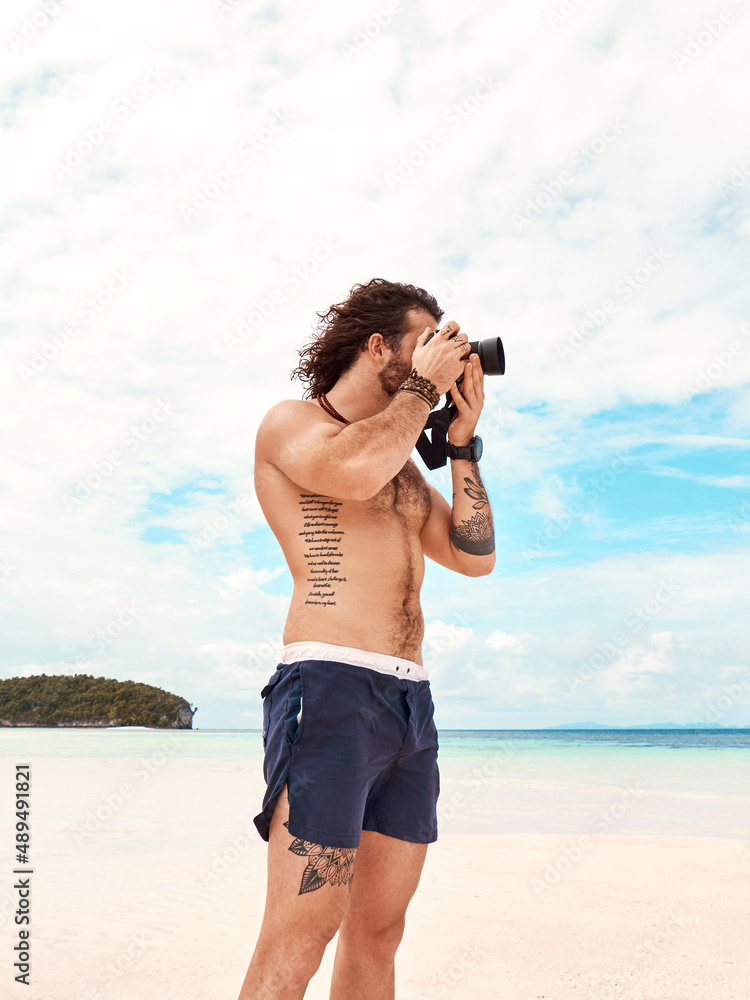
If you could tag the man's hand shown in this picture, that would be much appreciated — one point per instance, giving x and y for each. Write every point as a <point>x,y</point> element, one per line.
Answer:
<point>469,402</point>
<point>441,360</point>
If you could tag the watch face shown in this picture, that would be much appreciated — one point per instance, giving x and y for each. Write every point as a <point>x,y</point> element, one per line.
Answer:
<point>478,447</point>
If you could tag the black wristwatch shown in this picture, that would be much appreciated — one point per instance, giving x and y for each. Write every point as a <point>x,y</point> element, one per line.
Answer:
<point>471,452</point>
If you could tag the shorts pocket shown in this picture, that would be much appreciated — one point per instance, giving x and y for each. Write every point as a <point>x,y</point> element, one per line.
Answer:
<point>266,696</point>
<point>296,712</point>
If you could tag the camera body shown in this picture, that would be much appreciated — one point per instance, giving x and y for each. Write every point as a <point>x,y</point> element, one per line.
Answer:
<point>434,449</point>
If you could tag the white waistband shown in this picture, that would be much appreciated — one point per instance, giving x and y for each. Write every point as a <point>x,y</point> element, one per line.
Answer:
<point>384,664</point>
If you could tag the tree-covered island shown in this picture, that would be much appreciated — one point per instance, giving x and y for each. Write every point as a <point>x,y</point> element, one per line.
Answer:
<point>83,700</point>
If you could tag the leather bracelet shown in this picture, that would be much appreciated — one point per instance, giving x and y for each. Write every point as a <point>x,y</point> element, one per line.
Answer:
<point>417,392</point>
<point>415,382</point>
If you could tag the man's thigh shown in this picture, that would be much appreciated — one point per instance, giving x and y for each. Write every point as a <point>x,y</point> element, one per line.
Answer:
<point>308,884</point>
<point>386,877</point>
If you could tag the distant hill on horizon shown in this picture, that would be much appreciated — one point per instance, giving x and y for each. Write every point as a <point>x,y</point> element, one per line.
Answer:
<point>650,725</point>
<point>84,700</point>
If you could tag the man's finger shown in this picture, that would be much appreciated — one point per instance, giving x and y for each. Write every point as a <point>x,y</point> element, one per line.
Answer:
<point>471,371</point>
<point>458,399</point>
<point>478,376</point>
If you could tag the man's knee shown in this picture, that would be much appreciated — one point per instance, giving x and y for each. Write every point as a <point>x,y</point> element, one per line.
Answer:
<point>379,938</point>
<point>297,951</point>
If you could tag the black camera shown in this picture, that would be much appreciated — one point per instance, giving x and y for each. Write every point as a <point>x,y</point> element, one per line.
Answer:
<point>490,351</point>
<point>434,451</point>
<point>491,355</point>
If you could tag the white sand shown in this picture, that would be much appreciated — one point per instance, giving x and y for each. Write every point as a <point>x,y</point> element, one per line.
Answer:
<point>135,910</point>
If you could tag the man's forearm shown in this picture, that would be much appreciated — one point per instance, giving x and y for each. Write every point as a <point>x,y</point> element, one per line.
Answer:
<point>382,444</point>
<point>472,531</point>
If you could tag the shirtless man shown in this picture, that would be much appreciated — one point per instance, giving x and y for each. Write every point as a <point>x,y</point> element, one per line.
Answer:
<point>350,743</point>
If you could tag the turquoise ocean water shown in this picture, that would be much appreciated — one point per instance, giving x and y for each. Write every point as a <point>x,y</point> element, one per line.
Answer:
<point>617,782</point>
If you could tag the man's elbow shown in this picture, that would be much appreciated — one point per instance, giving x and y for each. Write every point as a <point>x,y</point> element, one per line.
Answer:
<point>481,565</point>
<point>364,489</point>
<point>365,482</point>
<point>477,565</point>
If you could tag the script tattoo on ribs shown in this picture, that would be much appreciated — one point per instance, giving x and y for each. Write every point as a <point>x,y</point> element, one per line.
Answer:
<point>333,865</point>
<point>320,530</point>
<point>476,535</point>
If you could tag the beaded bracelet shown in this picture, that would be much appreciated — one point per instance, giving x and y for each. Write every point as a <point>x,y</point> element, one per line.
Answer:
<point>417,383</point>
<point>417,392</point>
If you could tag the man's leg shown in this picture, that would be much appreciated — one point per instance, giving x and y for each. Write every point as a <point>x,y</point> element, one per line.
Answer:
<point>387,875</point>
<point>299,918</point>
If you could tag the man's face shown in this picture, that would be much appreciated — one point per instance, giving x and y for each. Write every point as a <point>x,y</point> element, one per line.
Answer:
<point>399,364</point>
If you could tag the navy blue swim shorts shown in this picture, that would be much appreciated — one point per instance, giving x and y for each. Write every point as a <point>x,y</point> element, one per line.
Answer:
<point>356,746</point>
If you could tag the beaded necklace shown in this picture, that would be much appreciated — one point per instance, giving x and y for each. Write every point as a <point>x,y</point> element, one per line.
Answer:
<point>330,409</point>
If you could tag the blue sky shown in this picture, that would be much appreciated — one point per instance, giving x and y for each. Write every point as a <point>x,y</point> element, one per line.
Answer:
<point>191,183</point>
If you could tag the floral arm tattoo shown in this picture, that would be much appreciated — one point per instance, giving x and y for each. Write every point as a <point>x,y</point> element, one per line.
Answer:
<point>476,534</point>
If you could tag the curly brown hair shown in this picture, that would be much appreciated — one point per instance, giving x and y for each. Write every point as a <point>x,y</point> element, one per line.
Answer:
<point>379,306</point>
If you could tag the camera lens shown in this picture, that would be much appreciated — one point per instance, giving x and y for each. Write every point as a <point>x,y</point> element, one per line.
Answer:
<point>491,355</point>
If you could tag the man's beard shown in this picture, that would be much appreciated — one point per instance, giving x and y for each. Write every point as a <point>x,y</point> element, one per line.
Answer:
<point>394,373</point>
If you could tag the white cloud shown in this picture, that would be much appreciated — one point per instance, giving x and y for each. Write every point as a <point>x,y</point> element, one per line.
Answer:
<point>504,642</point>
<point>322,176</point>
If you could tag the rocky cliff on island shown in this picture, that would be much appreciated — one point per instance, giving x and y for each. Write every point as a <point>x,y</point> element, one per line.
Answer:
<point>83,700</point>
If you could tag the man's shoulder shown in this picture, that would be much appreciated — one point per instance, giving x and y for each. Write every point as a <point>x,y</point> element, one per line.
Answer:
<point>289,417</point>
<point>288,411</point>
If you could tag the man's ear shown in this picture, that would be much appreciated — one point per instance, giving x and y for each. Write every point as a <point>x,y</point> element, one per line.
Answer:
<point>376,347</point>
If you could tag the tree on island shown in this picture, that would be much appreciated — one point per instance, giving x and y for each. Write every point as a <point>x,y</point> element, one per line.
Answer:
<point>83,700</point>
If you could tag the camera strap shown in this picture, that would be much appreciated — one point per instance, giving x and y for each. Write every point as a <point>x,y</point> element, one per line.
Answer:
<point>434,450</point>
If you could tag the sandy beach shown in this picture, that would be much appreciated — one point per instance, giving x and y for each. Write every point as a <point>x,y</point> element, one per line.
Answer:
<point>152,888</point>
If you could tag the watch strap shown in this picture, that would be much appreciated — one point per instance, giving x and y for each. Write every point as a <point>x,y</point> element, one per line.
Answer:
<point>467,453</point>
